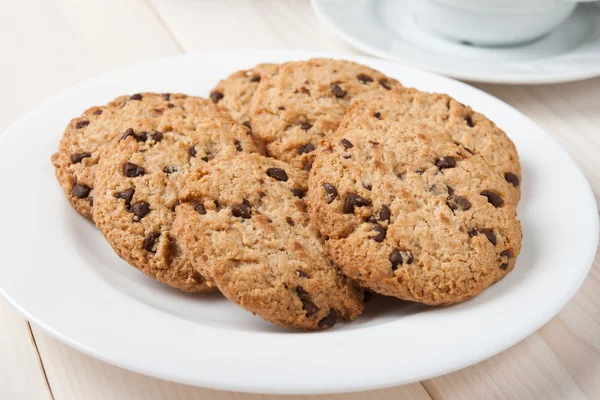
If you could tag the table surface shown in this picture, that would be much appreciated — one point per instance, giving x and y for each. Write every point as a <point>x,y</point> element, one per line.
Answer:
<point>49,45</point>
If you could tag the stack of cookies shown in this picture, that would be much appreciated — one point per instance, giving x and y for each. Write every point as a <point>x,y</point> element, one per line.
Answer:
<point>298,190</point>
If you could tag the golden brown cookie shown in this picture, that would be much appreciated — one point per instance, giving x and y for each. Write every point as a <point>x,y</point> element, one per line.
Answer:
<point>306,100</point>
<point>233,94</point>
<point>409,213</point>
<point>139,178</point>
<point>471,130</point>
<point>86,137</point>
<point>243,223</point>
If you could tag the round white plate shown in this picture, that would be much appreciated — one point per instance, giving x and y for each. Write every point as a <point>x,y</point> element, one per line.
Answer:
<point>386,29</point>
<point>60,273</point>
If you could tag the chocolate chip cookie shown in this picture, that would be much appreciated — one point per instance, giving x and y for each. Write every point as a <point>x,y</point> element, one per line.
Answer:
<point>86,137</point>
<point>233,94</point>
<point>243,223</point>
<point>139,178</point>
<point>408,212</point>
<point>306,100</point>
<point>471,130</point>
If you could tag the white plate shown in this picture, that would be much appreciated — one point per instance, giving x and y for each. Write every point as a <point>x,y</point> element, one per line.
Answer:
<point>386,29</point>
<point>60,273</point>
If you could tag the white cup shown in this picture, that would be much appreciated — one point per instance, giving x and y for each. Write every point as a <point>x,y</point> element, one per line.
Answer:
<point>492,22</point>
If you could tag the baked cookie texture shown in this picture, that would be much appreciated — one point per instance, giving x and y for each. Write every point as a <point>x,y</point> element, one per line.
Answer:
<point>139,178</point>
<point>243,223</point>
<point>233,94</point>
<point>471,130</point>
<point>306,100</point>
<point>408,212</point>
<point>86,137</point>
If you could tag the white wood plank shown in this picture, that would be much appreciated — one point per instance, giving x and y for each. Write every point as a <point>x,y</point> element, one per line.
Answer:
<point>21,375</point>
<point>76,376</point>
<point>49,45</point>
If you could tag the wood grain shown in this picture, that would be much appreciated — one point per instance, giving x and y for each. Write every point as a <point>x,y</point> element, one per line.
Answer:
<point>55,44</point>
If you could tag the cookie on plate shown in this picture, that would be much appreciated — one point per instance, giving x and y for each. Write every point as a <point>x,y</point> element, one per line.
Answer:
<point>243,223</point>
<point>233,94</point>
<point>139,178</point>
<point>476,133</point>
<point>306,100</point>
<point>409,213</point>
<point>86,137</point>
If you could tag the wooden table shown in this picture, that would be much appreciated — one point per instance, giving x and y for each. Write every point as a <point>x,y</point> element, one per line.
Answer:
<point>49,45</point>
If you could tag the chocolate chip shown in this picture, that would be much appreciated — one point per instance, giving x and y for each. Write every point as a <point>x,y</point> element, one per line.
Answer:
<point>208,157</point>
<point>247,124</point>
<point>458,203</point>
<point>512,179</point>
<point>255,78</point>
<point>278,174</point>
<point>136,96</point>
<point>98,112</point>
<point>445,162</point>
<point>329,320</point>
<point>331,192</point>
<point>493,198</point>
<point>131,170</point>
<point>167,96</point>
<point>367,186</point>
<point>309,307</point>
<point>299,193</point>
<point>192,151</point>
<point>157,136</point>
<point>305,126</point>
<point>400,257</point>
<point>261,194</point>
<point>216,97</point>
<point>142,137</point>
<point>490,235</point>
<point>300,290</point>
<point>469,121</point>
<point>346,156</point>
<point>77,157</point>
<point>301,274</point>
<point>473,232</point>
<point>289,221</point>
<point>338,91</point>
<point>82,124</point>
<point>353,200</point>
<point>238,145</point>
<point>364,78</point>
<point>385,84</point>
<point>91,200</point>
<point>372,219</point>
<point>381,232</point>
<point>126,195</point>
<point>419,171</point>
<point>377,115</point>
<point>128,132</point>
<point>507,253</point>
<point>140,209</point>
<point>170,105</point>
<point>80,191</point>
<point>347,144</point>
<point>241,210</point>
<point>149,241</point>
<point>199,208</point>
<point>307,148</point>
<point>384,213</point>
<point>450,190</point>
<point>503,266</point>
<point>169,170</point>
<point>281,108</point>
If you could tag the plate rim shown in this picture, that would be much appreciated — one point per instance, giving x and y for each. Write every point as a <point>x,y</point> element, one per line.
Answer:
<point>500,346</point>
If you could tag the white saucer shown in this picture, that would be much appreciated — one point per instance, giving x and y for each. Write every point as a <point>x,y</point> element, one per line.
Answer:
<point>386,29</point>
<point>57,269</point>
